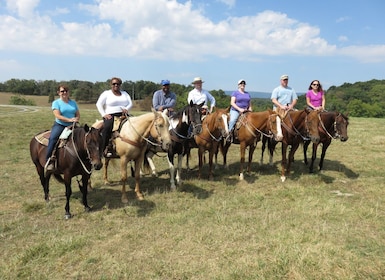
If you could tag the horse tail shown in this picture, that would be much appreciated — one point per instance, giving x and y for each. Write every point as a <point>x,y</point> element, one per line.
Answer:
<point>59,178</point>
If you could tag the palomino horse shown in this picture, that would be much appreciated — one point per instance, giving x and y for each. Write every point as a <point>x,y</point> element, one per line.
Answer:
<point>81,153</point>
<point>297,126</point>
<point>180,131</point>
<point>214,128</point>
<point>249,128</point>
<point>332,125</point>
<point>131,144</point>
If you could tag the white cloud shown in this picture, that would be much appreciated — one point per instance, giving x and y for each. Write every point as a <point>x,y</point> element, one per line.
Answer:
<point>23,8</point>
<point>343,38</point>
<point>341,19</point>
<point>365,54</point>
<point>156,29</point>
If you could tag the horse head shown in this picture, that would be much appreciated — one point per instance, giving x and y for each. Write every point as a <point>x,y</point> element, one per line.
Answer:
<point>311,122</point>
<point>272,126</point>
<point>341,127</point>
<point>160,129</point>
<point>193,115</point>
<point>94,146</point>
<point>218,121</point>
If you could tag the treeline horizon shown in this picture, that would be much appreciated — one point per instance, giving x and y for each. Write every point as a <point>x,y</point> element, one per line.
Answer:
<point>360,99</point>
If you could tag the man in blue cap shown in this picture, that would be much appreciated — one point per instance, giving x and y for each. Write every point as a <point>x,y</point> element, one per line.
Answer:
<point>164,98</point>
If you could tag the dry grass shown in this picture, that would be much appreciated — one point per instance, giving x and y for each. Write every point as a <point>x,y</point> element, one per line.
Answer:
<point>327,225</point>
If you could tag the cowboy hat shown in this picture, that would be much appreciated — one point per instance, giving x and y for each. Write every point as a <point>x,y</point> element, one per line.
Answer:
<point>197,79</point>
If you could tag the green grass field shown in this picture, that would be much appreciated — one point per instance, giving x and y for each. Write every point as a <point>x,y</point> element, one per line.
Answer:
<point>327,225</point>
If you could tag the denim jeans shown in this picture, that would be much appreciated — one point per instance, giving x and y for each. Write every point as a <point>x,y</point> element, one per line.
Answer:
<point>56,130</point>
<point>234,114</point>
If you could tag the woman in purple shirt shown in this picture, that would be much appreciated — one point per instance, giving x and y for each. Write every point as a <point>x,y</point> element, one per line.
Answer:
<point>315,97</point>
<point>240,102</point>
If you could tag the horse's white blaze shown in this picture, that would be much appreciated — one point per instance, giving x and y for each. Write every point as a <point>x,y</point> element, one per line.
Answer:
<point>279,128</point>
<point>173,123</point>
<point>185,118</point>
<point>225,122</point>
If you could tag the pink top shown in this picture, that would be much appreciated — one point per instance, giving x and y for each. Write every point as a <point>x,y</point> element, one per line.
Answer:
<point>315,99</point>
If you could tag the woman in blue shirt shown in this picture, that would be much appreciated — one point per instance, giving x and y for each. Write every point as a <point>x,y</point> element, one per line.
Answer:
<point>66,113</point>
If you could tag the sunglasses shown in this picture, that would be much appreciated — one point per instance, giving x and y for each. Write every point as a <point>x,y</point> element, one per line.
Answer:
<point>116,84</point>
<point>315,84</point>
<point>64,90</point>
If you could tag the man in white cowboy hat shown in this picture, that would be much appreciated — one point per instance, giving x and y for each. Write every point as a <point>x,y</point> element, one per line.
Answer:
<point>199,95</point>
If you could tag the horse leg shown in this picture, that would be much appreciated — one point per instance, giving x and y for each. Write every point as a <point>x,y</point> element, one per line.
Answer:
<point>84,190</point>
<point>67,183</point>
<point>293,149</point>
<point>170,159</point>
<point>242,148</point>
<point>283,162</point>
<point>211,155</point>
<point>323,153</point>
<point>271,146</point>
<point>44,181</point>
<point>123,178</point>
<point>305,146</point>
<point>138,164</point>
<point>151,163</point>
<point>225,149</point>
<point>201,159</point>
<point>105,171</point>
<point>251,152</point>
<point>178,176</point>
<point>313,157</point>
<point>264,140</point>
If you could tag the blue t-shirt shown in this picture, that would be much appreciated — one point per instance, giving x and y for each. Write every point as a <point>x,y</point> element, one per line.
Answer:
<point>241,99</point>
<point>284,95</point>
<point>67,110</point>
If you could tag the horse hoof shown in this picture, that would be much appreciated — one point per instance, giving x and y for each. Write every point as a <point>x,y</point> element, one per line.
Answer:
<point>67,216</point>
<point>283,179</point>
<point>241,177</point>
<point>87,209</point>
<point>140,197</point>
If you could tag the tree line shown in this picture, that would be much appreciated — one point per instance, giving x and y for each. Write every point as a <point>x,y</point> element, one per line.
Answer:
<point>361,99</point>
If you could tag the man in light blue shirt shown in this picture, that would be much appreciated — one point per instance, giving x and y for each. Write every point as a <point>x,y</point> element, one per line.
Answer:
<point>284,96</point>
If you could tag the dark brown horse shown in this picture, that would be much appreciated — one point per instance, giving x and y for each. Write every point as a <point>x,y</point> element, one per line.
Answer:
<point>214,128</point>
<point>248,130</point>
<point>184,124</point>
<point>297,127</point>
<point>333,125</point>
<point>80,154</point>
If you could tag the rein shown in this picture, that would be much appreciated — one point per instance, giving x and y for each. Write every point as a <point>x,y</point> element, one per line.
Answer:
<point>138,144</point>
<point>294,131</point>
<point>334,126</point>
<point>247,124</point>
<point>76,150</point>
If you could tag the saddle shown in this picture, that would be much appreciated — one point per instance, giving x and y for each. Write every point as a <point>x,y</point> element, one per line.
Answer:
<point>43,138</point>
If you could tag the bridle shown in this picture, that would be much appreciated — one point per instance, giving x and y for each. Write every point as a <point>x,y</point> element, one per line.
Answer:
<point>336,133</point>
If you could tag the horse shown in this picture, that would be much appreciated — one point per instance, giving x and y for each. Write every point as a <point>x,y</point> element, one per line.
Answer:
<point>297,126</point>
<point>248,130</point>
<point>131,144</point>
<point>332,125</point>
<point>214,128</point>
<point>184,124</point>
<point>81,153</point>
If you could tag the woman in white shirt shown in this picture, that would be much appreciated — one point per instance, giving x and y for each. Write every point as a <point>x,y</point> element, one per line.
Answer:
<point>112,103</point>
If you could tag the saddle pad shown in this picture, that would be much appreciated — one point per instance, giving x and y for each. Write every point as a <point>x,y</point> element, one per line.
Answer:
<point>43,138</point>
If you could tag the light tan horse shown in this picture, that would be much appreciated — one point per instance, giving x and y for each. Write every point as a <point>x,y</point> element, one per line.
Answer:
<point>131,144</point>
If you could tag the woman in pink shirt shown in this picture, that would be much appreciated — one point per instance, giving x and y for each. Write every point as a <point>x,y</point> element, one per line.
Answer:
<point>315,97</point>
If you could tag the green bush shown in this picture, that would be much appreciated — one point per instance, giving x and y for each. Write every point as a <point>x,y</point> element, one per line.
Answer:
<point>20,100</point>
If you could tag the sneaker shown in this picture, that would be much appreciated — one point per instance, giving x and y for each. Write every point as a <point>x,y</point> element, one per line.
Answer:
<point>50,165</point>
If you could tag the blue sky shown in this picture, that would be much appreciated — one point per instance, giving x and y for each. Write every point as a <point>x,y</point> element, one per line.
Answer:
<point>222,41</point>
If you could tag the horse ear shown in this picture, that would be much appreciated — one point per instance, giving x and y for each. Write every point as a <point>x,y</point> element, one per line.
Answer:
<point>86,128</point>
<point>191,103</point>
<point>201,105</point>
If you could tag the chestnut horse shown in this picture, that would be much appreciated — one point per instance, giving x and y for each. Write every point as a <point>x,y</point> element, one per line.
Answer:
<point>184,124</point>
<point>214,128</point>
<point>131,144</point>
<point>333,125</point>
<point>248,130</point>
<point>81,153</point>
<point>297,126</point>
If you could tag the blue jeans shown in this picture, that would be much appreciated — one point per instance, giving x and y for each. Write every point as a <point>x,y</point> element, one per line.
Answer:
<point>234,114</point>
<point>56,130</point>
